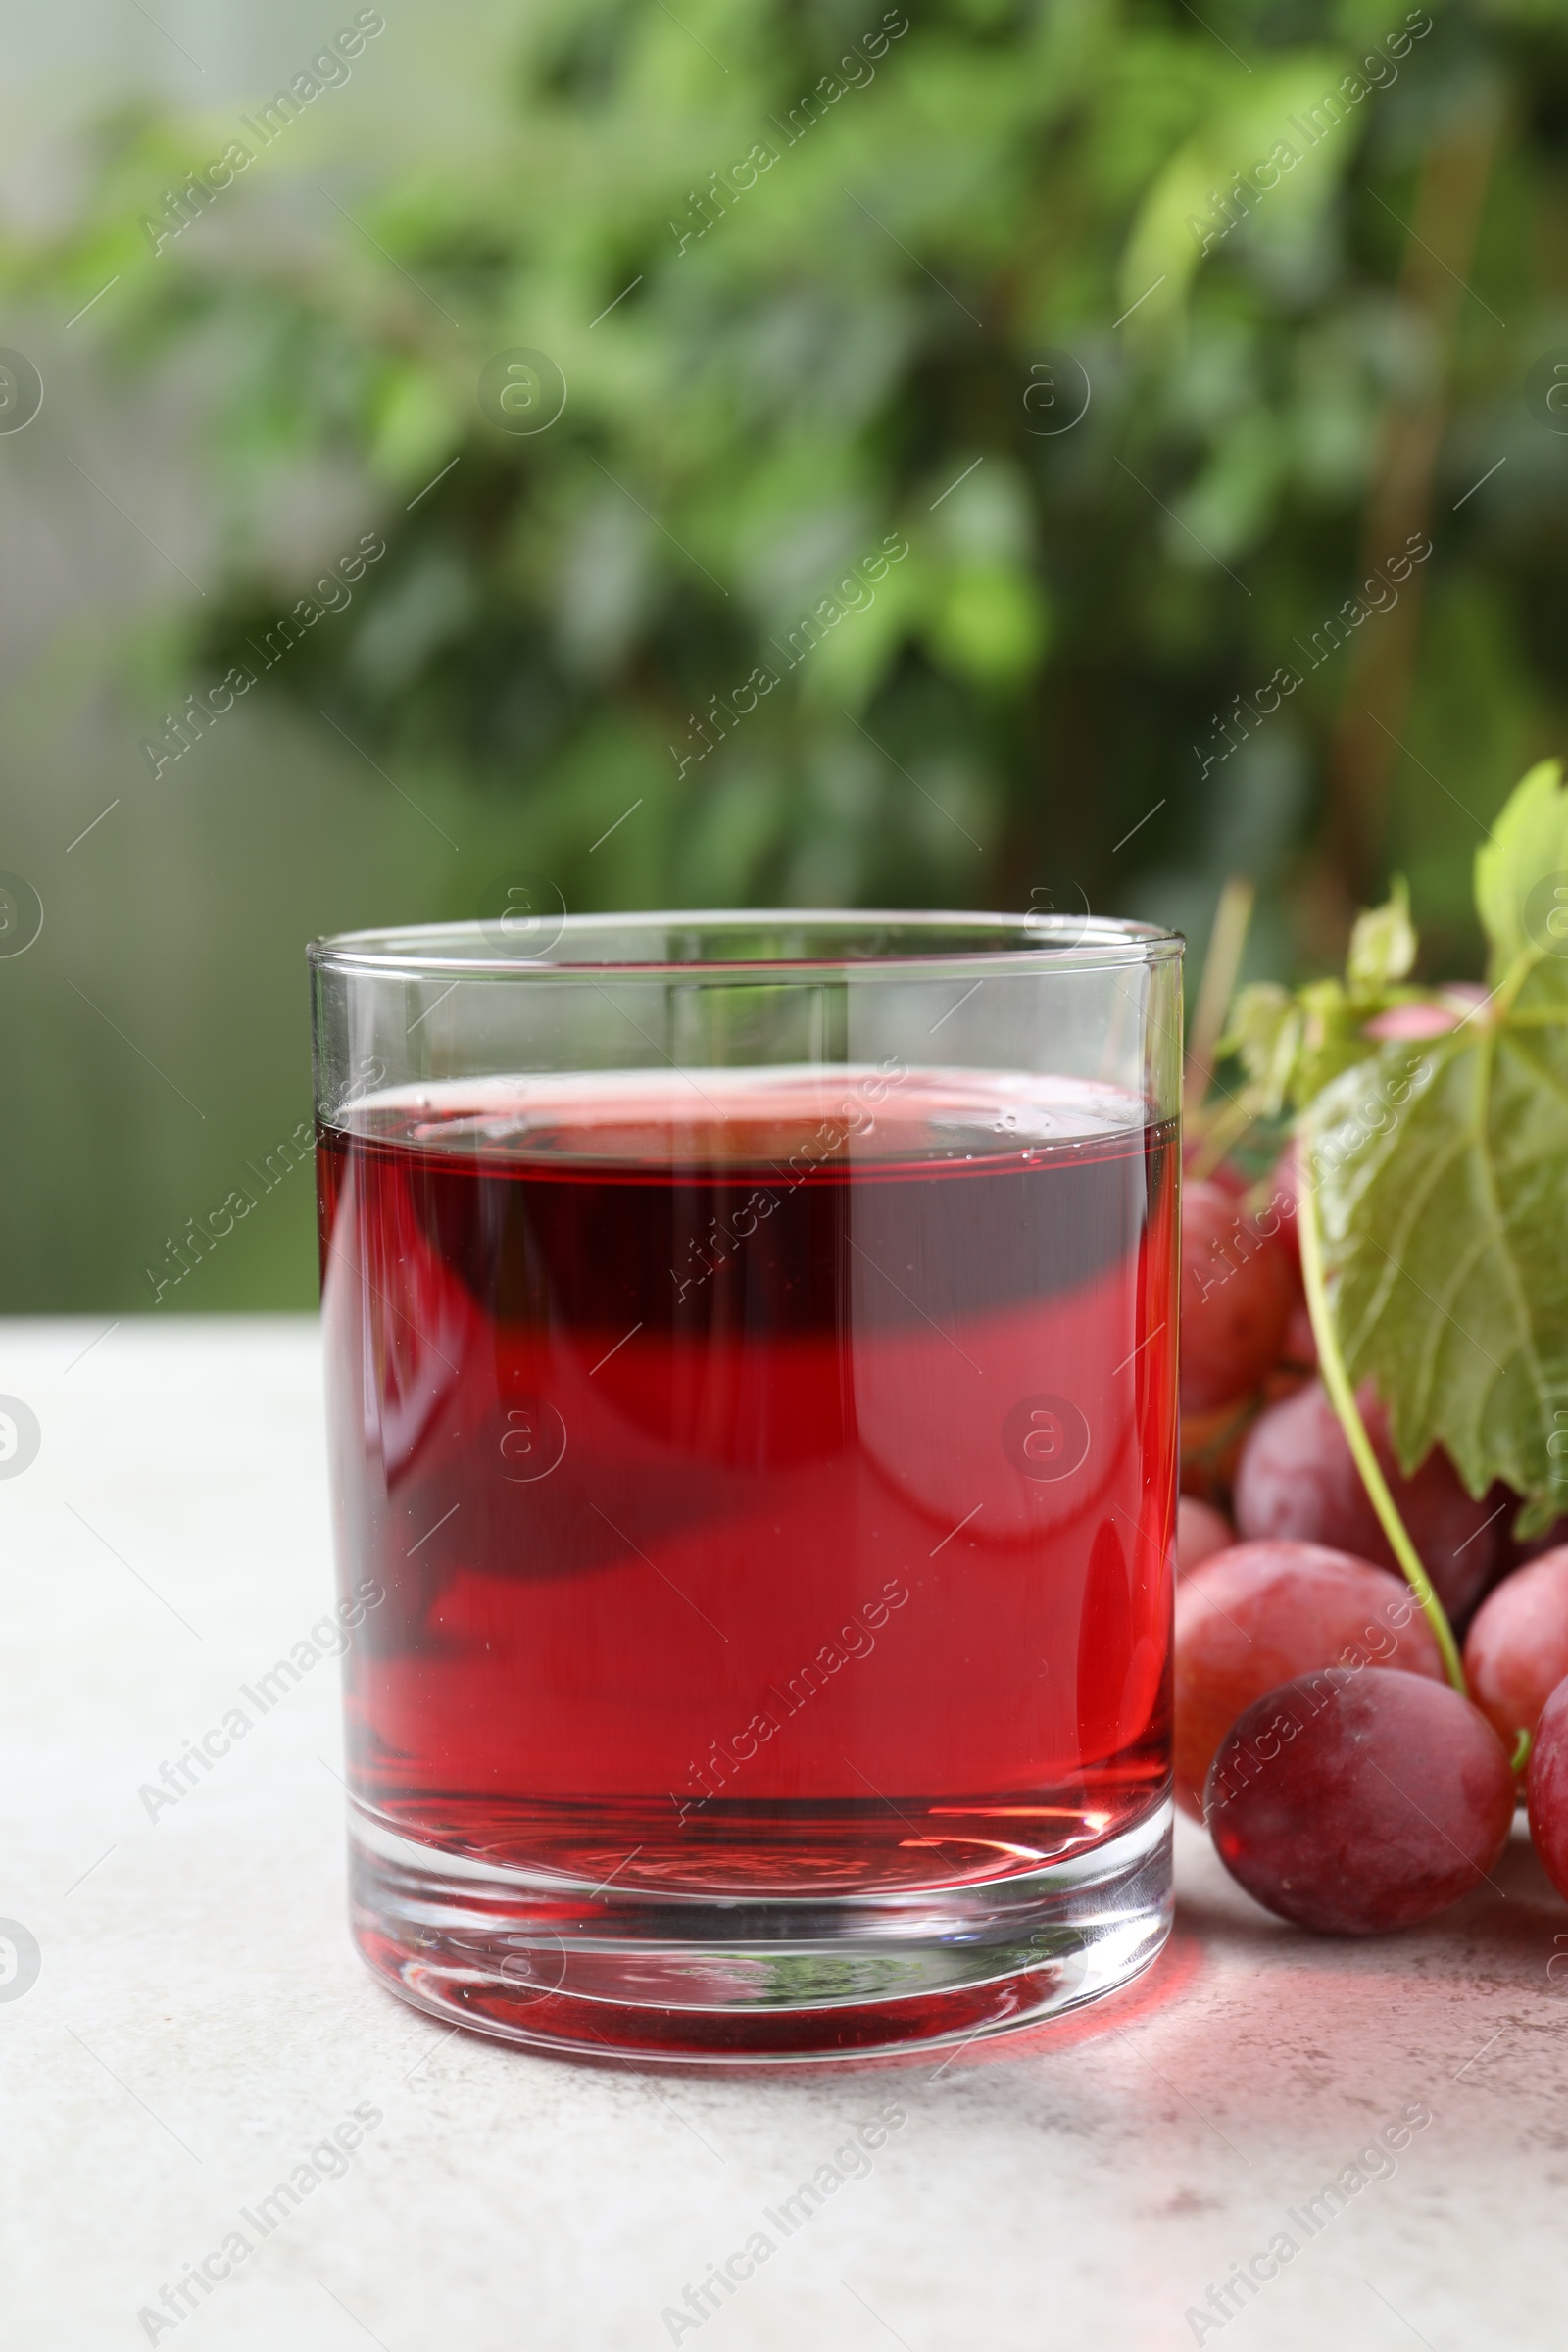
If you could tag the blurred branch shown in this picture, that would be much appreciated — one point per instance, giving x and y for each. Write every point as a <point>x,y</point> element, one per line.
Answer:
<point>1221,964</point>
<point>1440,249</point>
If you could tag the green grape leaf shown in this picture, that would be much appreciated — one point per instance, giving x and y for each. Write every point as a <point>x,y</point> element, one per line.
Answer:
<point>1265,1035</point>
<point>1440,1170</point>
<point>1522,882</point>
<point>1292,1044</point>
<point>1383,943</point>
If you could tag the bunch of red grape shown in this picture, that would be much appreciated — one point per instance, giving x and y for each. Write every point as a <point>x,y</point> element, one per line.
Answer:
<point>1346,1783</point>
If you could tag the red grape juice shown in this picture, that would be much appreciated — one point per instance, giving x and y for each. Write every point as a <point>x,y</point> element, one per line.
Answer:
<point>769,1472</point>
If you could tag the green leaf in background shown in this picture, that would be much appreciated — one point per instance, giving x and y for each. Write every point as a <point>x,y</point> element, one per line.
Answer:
<point>1440,1172</point>
<point>1112,309</point>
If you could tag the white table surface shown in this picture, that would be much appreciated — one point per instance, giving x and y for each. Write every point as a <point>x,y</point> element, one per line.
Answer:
<point>200,2022</point>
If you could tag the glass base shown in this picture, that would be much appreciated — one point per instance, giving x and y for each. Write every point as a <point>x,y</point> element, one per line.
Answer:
<point>595,1972</point>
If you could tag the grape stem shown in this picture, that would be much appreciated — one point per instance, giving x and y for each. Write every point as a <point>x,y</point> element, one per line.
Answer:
<point>1337,1380</point>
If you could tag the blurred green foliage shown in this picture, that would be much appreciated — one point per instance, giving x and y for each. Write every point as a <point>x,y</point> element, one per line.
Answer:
<point>772,365</point>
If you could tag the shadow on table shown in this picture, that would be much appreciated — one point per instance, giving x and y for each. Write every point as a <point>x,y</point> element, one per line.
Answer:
<point>1505,1928</point>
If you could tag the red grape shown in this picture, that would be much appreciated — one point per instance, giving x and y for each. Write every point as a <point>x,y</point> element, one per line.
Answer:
<point>1515,1553</point>
<point>1201,1532</point>
<point>1547,1783</point>
<point>1354,1802</point>
<point>1237,1294</point>
<point>1258,1614</point>
<point>1227,1175</point>
<point>1299,1344</point>
<point>1516,1652</point>
<point>1297,1476</point>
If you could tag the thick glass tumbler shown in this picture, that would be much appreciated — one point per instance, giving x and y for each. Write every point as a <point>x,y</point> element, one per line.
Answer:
<point>751,1352</point>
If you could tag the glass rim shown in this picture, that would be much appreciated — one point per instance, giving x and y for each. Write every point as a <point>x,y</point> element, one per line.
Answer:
<point>1030,942</point>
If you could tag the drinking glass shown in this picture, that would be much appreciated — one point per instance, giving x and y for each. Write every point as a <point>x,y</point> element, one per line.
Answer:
<point>750,1350</point>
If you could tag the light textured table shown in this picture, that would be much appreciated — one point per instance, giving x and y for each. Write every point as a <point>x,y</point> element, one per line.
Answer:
<point>199,2024</point>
